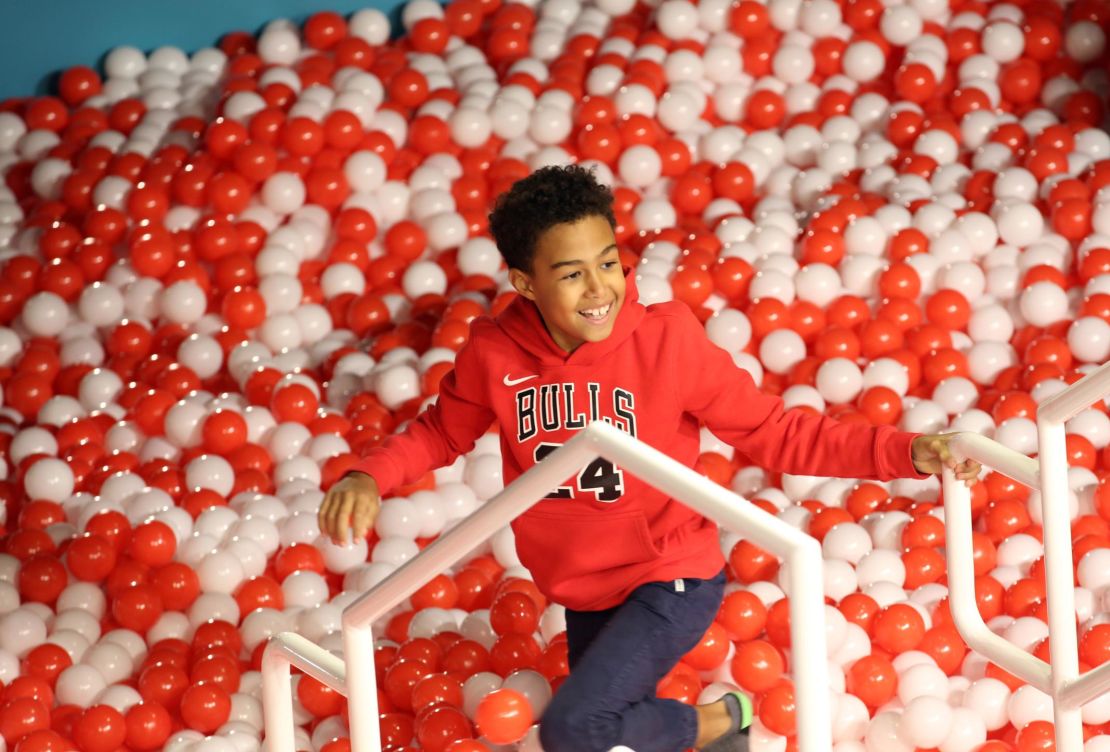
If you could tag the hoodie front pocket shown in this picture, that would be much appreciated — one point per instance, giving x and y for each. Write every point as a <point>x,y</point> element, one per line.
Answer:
<point>569,545</point>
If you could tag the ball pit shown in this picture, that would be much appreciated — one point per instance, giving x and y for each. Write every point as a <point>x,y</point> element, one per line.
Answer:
<point>224,275</point>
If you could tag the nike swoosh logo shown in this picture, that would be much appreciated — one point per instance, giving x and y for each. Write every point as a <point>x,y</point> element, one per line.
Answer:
<point>514,382</point>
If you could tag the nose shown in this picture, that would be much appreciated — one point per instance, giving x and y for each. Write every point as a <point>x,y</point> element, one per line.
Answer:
<point>594,284</point>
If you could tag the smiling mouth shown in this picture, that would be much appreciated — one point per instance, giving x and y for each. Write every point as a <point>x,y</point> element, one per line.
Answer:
<point>599,314</point>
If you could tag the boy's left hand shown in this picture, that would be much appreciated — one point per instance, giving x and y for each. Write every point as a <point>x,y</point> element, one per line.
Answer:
<point>931,453</point>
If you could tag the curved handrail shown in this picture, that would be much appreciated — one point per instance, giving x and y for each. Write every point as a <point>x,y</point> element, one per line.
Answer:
<point>802,552</point>
<point>1060,677</point>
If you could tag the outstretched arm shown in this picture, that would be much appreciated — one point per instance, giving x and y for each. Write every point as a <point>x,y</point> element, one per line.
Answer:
<point>725,398</point>
<point>438,435</point>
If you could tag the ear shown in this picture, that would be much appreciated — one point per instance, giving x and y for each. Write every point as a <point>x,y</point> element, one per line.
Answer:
<point>522,283</point>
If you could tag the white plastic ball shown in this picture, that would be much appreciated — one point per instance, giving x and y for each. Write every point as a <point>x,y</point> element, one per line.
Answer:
<point>49,479</point>
<point>839,380</point>
<point>1028,704</point>
<point>640,165</point>
<point>780,350</point>
<point>1089,339</point>
<point>79,685</point>
<point>283,192</point>
<point>183,302</point>
<point>1020,224</point>
<point>424,277</point>
<point>1043,303</point>
<point>101,304</point>
<point>45,314</point>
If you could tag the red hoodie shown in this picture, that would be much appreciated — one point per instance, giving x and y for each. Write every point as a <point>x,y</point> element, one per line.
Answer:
<point>657,377</point>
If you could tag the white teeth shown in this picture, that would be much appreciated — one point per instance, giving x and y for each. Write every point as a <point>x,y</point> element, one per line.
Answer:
<point>597,312</point>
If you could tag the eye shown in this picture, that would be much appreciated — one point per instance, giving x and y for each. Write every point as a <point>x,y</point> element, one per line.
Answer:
<point>609,264</point>
<point>573,275</point>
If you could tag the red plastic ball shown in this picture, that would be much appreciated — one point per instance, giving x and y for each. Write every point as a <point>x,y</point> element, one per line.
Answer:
<point>778,709</point>
<point>42,579</point>
<point>899,628</point>
<point>205,707</point>
<point>20,717</point>
<point>224,431</point>
<point>46,661</point>
<point>743,615</point>
<point>153,543</point>
<point>872,679</point>
<point>137,608</point>
<point>514,613</point>
<point>504,716</point>
<point>319,699</point>
<point>294,403</point>
<point>100,728</point>
<point>148,726</point>
<point>91,558</point>
<point>757,665</point>
<point>711,650</point>
<point>441,726</point>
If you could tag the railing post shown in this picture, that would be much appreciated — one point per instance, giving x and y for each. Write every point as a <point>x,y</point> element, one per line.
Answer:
<point>362,686</point>
<point>1059,580</point>
<point>809,647</point>
<point>277,700</point>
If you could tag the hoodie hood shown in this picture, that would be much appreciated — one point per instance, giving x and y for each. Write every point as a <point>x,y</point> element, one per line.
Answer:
<point>522,322</point>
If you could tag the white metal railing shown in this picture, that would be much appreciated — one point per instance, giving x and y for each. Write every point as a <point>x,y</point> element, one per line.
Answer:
<point>1060,678</point>
<point>801,552</point>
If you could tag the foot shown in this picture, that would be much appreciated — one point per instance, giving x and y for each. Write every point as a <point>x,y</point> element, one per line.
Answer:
<point>729,743</point>
<point>727,734</point>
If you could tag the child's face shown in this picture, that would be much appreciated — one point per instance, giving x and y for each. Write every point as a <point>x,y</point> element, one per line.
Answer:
<point>576,268</point>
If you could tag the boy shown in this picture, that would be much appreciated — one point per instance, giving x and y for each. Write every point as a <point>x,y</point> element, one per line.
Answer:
<point>641,575</point>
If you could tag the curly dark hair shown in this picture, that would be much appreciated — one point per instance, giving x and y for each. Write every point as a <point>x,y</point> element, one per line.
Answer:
<point>549,196</point>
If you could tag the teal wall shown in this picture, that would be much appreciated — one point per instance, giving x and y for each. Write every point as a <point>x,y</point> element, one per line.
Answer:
<point>40,38</point>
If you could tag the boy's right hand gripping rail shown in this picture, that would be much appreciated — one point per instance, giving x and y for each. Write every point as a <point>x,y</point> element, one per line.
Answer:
<point>1048,474</point>
<point>354,675</point>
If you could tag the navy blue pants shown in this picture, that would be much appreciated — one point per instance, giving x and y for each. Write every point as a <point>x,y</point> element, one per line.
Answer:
<point>617,657</point>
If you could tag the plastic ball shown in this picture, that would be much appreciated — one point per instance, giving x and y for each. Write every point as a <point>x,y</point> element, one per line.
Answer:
<point>839,380</point>
<point>202,355</point>
<point>1028,704</point>
<point>101,304</point>
<point>1089,339</point>
<point>45,314</point>
<point>205,707</point>
<point>846,541</point>
<point>926,722</point>
<point>1020,224</point>
<point>183,302</point>
<point>79,685</point>
<point>640,165</point>
<point>783,349</point>
<point>922,680</point>
<point>503,716</point>
<point>422,278</point>
<point>283,193</point>
<point>1043,303</point>
<point>20,631</point>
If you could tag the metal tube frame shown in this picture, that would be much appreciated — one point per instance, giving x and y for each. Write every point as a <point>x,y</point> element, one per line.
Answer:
<point>1060,678</point>
<point>802,553</point>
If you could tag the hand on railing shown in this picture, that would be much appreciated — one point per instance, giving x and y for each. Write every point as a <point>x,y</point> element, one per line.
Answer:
<point>931,453</point>
<point>352,503</point>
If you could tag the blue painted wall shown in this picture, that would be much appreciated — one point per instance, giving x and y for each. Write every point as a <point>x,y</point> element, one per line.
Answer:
<point>40,38</point>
